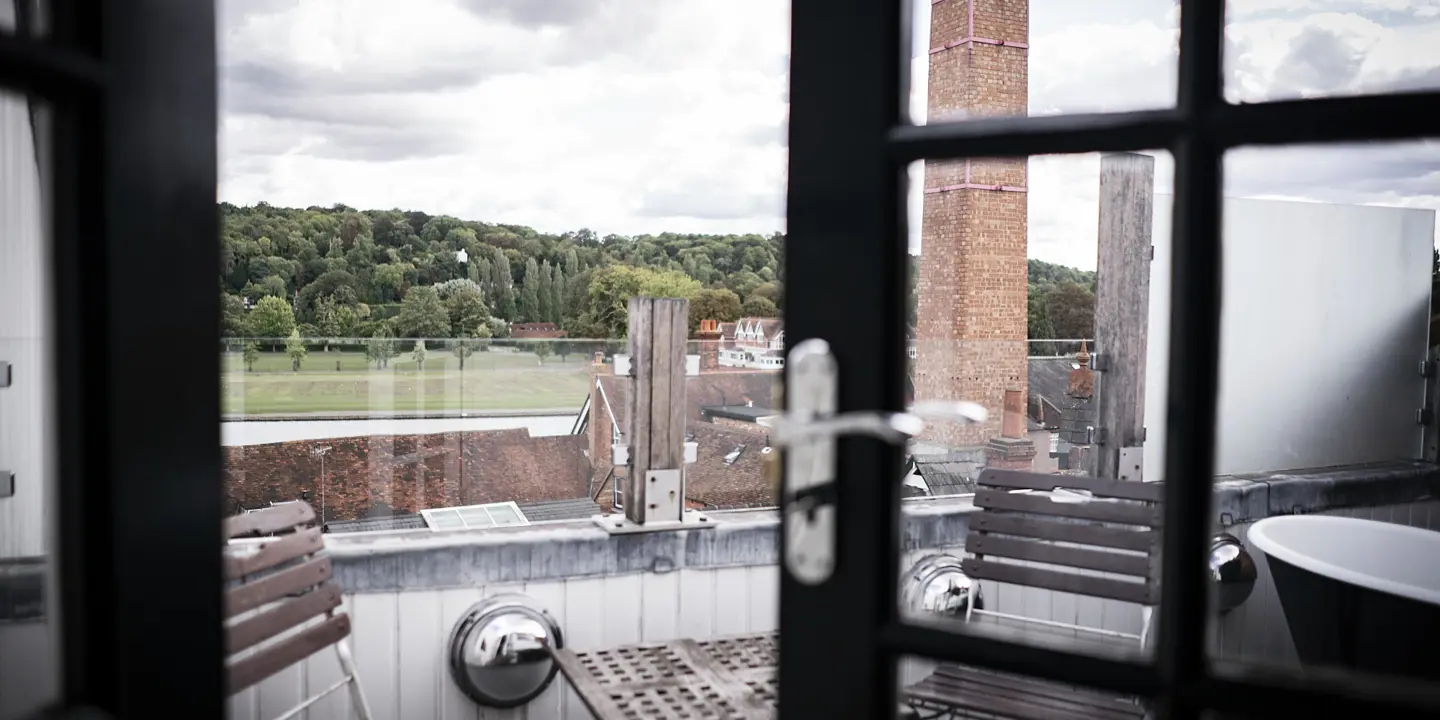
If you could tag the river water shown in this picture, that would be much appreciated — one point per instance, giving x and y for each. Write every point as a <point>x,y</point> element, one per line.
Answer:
<point>256,432</point>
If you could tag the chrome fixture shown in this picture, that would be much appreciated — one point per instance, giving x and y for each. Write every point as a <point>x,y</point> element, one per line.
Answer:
<point>501,651</point>
<point>937,588</point>
<point>1232,572</point>
<point>808,433</point>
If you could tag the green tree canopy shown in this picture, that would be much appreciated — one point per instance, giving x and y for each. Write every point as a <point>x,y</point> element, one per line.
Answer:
<point>756,306</point>
<point>422,314</point>
<point>721,304</point>
<point>272,317</point>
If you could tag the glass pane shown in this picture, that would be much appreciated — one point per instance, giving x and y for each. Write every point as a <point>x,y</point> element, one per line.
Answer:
<point>980,58</point>
<point>1327,248</point>
<point>1023,273</point>
<point>427,252</point>
<point>29,647</point>
<point>1287,50</point>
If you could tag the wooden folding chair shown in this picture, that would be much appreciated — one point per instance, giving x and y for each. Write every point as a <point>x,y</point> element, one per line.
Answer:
<point>281,605</point>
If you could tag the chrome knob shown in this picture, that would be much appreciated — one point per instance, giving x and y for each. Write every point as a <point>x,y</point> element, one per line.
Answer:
<point>501,651</point>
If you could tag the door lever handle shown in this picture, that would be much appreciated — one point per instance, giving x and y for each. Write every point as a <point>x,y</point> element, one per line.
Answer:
<point>808,432</point>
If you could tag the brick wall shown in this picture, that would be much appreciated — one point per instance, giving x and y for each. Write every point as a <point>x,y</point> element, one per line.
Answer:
<point>971,325</point>
<point>384,474</point>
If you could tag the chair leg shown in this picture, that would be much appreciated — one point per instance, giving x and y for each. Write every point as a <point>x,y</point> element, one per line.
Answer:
<point>357,694</point>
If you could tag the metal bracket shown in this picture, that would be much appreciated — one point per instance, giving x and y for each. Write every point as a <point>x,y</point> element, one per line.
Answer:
<point>7,484</point>
<point>1132,463</point>
<point>6,376</point>
<point>1424,416</point>
<point>620,455</point>
<point>692,365</point>
<point>1427,369</point>
<point>1096,435</point>
<point>618,524</point>
<point>1099,362</point>
<point>623,366</point>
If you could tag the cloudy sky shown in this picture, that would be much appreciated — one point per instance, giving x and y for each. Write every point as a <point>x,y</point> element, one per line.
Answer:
<point>632,116</point>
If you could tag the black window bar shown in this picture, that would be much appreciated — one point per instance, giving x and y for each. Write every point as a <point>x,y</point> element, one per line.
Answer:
<point>129,91</point>
<point>841,640</point>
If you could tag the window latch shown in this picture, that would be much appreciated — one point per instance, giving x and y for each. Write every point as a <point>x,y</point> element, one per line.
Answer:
<point>808,432</point>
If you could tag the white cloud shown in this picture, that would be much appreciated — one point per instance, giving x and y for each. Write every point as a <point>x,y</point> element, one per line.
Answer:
<point>631,116</point>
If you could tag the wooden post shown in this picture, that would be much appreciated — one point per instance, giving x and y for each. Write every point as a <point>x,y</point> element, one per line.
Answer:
<point>1122,306</point>
<point>656,409</point>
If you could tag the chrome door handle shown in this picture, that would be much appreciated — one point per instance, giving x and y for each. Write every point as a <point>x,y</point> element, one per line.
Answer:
<point>809,430</point>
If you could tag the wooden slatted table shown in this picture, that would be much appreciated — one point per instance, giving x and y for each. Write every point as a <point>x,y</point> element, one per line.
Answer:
<point>727,677</point>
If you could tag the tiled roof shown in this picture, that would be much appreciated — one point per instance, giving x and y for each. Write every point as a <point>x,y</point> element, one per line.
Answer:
<point>394,522</point>
<point>723,477</point>
<point>707,389</point>
<point>946,477</point>
<point>1049,378</point>
<point>385,475</point>
<point>553,510</point>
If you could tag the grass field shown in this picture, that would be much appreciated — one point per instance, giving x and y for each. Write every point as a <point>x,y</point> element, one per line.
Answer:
<point>490,381</point>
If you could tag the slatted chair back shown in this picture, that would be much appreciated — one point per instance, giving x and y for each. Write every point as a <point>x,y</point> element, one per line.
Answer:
<point>280,604</point>
<point>1102,541</point>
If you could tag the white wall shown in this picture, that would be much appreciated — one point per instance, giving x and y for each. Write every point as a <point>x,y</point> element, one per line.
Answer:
<point>1324,323</point>
<point>27,664</point>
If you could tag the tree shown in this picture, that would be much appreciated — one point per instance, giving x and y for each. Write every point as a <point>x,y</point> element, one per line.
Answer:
<point>564,348</point>
<point>502,284</point>
<point>272,318</point>
<point>1037,321</point>
<point>530,293</point>
<point>232,315</point>
<point>334,321</point>
<point>545,293</point>
<point>756,306</point>
<point>422,314</point>
<point>542,350</point>
<point>462,349</point>
<point>250,355</point>
<point>465,306</point>
<point>295,348</point>
<point>380,348</point>
<point>610,289</point>
<point>1071,309</point>
<point>557,295</point>
<point>418,355</point>
<point>719,304</point>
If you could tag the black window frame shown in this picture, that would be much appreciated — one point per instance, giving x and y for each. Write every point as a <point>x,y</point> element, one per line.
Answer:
<point>130,90</point>
<point>850,144</point>
<point>128,136</point>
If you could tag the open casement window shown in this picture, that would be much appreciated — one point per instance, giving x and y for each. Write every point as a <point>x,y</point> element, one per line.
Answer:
<point>850,143</point>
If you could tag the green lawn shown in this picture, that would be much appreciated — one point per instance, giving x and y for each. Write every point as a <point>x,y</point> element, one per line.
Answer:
<point>490,381</point>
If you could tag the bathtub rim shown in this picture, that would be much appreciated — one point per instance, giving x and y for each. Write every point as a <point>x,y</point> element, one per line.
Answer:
<point>1258,537</point>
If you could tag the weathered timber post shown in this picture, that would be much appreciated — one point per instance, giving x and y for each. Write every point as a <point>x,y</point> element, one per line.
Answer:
<point>1122,311</point>
<point>655,484</point>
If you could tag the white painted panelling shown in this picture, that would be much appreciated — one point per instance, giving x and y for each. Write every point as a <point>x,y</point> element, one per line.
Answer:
<point>27,681</point>
<point>1282,263</point>
<point>400,637</point>
<point>24,298</point>
<point>1256,631</point>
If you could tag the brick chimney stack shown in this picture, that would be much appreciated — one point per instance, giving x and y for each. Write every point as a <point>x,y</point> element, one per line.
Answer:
<point>1013,450</point>
<point>708,338</point>
<point>971,325</point>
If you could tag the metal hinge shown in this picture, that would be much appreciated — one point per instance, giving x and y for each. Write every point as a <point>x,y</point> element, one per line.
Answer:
<point>1150,255</point>
<point>6,376</point>
<point>7,478</point>
<point>1100,362</point>
<point>1096,435</point>
<point>808,432</point>
<point>1427,368</point>
<point>1424,416</point>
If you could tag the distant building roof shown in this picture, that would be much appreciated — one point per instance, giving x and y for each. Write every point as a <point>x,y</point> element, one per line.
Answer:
<point>553,510</point>
<point>375,524</point>
<point>945,477</point>
<point>536,330</point>
<point>746,413</point>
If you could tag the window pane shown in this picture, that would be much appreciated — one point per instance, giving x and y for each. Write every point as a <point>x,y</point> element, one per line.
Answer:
<point>428,247</point>
<point>29,660</point>
<point>1287,50</point>
<point>1327,248</point>
<point>1023,273</point>
<point>1041,57</point>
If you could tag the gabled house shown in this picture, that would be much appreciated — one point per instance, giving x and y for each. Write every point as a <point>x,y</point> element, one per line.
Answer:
<point>754,343</point>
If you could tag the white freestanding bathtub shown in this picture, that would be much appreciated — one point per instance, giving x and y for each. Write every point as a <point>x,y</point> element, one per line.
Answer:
<point>1356,593</point>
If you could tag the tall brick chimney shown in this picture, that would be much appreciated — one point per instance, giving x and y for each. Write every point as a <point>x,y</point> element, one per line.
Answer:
<point>708,338</point>
<point>971,324</point>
